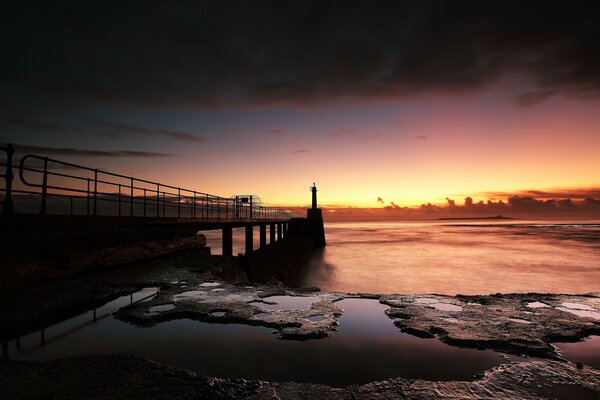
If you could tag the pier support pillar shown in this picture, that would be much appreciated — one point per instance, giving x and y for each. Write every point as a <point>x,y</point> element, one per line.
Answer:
<point>263,236</point>
<point>279,231</point>
<point>271,233</point>
<point>227,241</point>
<point>249,240</point>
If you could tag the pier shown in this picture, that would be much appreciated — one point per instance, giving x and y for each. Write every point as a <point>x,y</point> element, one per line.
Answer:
<point>49,202</point>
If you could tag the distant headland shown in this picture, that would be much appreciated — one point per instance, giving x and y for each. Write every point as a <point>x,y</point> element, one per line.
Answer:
<point>470,218</point>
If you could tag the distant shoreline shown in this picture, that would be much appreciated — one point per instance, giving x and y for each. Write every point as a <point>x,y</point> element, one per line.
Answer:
<point>471,218</point>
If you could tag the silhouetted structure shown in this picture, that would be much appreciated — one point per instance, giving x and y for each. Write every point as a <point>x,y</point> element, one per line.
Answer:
<point>315,217</point>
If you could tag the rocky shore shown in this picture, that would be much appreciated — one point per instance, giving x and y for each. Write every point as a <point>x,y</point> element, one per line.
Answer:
<point>212,289</point>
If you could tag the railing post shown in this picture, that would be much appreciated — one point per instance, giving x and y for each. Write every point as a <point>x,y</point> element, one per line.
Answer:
<point>163,204</point>
<point>9,206</point>
<point>194,206</point>
<point>158,200</point>
<point>206,206</point>
<point>119,199</point>
<point>87,199</point>
<point>178,202</point>
<point>144,202</point>
<point>131,199</point>
<point>251,209</point>
<point>95,192</point>
<point>45,186</point>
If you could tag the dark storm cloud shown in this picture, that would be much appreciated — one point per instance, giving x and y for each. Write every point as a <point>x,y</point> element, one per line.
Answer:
<point>39,126</point>
<point>59,151</point>
<point>215,53</point>
<point>116,128</point>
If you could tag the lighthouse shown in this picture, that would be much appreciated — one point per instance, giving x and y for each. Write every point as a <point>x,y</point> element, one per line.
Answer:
<point>315,217</point>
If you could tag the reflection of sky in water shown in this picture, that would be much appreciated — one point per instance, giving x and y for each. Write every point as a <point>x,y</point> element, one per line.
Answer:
<point>367,347</point>
<point>436,257</point>
<point>586,352</point>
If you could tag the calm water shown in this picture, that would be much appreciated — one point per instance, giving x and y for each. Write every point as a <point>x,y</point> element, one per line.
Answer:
<point>452,257</point>
<point>367,347</point>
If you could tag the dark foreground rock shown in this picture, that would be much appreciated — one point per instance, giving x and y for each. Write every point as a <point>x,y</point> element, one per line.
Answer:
<point>125,376</point>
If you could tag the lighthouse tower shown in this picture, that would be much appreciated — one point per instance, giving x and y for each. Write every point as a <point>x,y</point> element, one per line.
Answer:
<point>315,217</point>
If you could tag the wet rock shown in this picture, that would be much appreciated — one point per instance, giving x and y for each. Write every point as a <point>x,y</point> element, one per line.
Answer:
<point>125,376</point>
<point>514,323</point>
<point>221,302</point>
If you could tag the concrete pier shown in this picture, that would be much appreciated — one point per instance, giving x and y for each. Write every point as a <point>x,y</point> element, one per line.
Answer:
<point>249,240</point>
<point>263,236</point>
<point>227,241</point>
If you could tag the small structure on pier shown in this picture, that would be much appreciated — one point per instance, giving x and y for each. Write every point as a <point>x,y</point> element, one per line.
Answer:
<point>315,217</point>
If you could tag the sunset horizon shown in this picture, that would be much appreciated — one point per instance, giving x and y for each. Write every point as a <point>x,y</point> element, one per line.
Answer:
<point>300,199</point>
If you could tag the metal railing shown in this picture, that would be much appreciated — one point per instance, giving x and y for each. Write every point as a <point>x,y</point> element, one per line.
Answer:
<point>80,190</point>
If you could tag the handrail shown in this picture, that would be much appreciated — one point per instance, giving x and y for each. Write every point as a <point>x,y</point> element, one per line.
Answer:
<point>152,197</point>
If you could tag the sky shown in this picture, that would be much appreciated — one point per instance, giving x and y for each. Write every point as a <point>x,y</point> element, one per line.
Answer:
<point>387,106</point>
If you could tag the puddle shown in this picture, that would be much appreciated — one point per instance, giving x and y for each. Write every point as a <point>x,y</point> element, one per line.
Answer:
<point>446,307</point>
<point>188,294</point>
<point>581,313</point>
<point>158,309</point>
<point>519,321</point>
<point>210,284</point>
<point>316,318</point>
<point>218,313</point>
<point>426,300</point>
<point>586,352</point>
<point>537,304</point>
<point>286,302</point>
<point>577,306</point>
<point>438,304</point>
<point>453,320</point>
<point>366,348</point>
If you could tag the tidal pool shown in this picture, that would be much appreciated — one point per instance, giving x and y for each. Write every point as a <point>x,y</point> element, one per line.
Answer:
<point>366,348</point>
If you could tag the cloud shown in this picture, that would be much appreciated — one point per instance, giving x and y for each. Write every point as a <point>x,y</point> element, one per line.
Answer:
<point>40,126</point>
<point>181,136</point>
<point>65,151</point>
<point>350,134</point>
<point>531,98</point>
<point>574,193</point>
<point>116,127</point>
<point>300,151</point>
<point>276,132</point>
<point>239,53</point>
<point>420,137</point>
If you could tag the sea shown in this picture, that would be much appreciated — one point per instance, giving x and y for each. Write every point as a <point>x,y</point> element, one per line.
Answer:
<point>453,257</point>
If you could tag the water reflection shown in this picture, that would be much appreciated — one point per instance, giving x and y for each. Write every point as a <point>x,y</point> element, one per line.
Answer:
<point>586,352</point>
<point>434,257</point>
<point>367,347</point>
